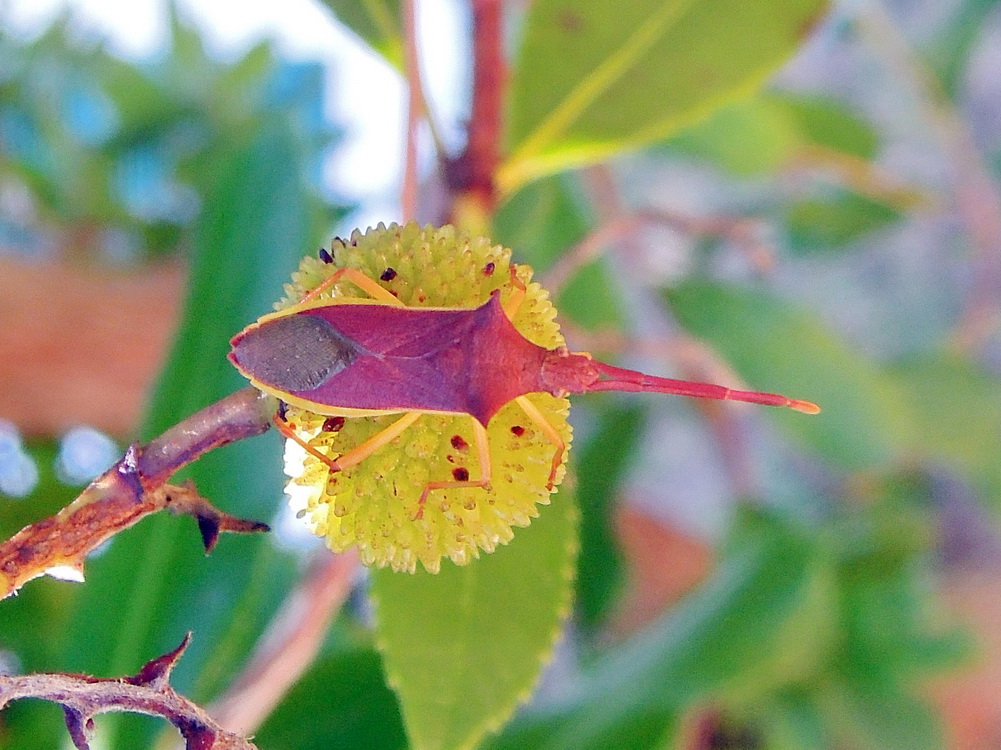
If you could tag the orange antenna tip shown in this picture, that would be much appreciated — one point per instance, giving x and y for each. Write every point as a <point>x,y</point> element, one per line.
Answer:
<point>807,407</point>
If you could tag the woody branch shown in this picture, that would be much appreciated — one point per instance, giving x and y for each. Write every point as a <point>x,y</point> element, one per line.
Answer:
<point>132,489</point>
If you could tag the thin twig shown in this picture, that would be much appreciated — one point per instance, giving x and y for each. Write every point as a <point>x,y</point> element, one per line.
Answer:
<point>134,488</point>
<point>148,692</point>
<point>622,226</point>
<point>977,196</point>
<point>290,644</point>
<point>612,211</point>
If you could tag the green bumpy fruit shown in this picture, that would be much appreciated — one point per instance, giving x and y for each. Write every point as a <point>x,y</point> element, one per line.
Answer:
<point>374,504</point>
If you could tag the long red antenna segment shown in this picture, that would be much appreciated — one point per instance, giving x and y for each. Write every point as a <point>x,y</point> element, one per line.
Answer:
<point>620,379</point>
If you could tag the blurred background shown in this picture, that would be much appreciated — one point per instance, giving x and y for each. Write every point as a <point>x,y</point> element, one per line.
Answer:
<point>834,235</point>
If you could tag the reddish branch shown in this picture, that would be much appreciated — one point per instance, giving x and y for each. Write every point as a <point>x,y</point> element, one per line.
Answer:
<point>616,228</point>
<point>148,692</point>
<point>290,644</point>
<point>134,488</point>
<point>415,110</point>
<point>472,173</point>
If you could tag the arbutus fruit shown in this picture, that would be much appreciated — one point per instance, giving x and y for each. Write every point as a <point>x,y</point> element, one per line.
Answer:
<point>377,385</point>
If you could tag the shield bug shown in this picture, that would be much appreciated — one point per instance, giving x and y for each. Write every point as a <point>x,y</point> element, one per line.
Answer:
<point>442,369</point>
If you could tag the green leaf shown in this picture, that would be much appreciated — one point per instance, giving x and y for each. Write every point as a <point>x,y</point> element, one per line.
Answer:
<point>828,123</point>
<point>748,137</point>
<point>593,78</point>
<point>600,467</point>
<point>792,722</point>
<point>836,220</point>
<point>154,583</point>
<point>958,409</point>
<point>949,53</point>
<point>539,223</point>
<point>463,647</point>
<point>765,619</point>
<point>378,22</point>
<point>778,347</point>
<point>341,703</point>
<point>878,717</point>
<point>766,132</point>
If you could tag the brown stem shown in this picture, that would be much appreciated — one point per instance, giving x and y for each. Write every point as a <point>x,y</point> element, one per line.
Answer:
<point>134,488</point>
<point>148,692</point>
<point>471,175</point>
<point>408,196</point>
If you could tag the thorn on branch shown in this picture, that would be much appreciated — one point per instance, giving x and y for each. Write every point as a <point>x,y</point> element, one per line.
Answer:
<point>147,692</point>
<point>185,499</point>
<point>134,488</point>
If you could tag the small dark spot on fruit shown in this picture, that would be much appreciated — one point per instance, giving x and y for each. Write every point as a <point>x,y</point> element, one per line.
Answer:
<point>422,298</point>
<point>450,458</point>
<point>333,424</point>
<point>325,256</point>
<point>461,474</point>
<point>388,275</point>
<point>489,268</point>
<point>518,430</point>
<point>459,444</point>
<point>394,292</point>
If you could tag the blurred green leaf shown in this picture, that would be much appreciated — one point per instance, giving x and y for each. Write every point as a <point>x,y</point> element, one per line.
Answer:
<point>764,619</point>
<point>644,728</point>
<point>958,410</point>
<point>883,717</point>
<point>767,132</point>
<point>600,466</point>
<point>462,648</point>
<point>828,123</point>
<point>341,703</point>
<point>154,583</point>
<point>748,137</point>
<point>791,721</point>
<point>544,220</point>
<point>949,53</point>
<point>595,78</point>
<point>777,347</point>
<point>378,22</point>
<point>888,554</point>
<point>836,220</point>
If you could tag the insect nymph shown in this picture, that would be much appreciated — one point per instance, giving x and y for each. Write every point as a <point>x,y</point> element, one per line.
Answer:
<point>366,354</point>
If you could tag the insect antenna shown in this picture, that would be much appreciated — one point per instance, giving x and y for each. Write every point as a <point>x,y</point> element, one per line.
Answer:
<point>620,379</point>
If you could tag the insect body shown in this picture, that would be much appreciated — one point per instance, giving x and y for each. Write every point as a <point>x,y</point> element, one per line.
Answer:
<point>372,356</point>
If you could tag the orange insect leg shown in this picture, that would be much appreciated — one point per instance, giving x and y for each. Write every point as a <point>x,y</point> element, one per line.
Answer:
<point>288,432</point>
<point>360,452</point>
<point>517,296</point>
<point>360,280</point>
<point>486,470</point>
<point>549,431</point>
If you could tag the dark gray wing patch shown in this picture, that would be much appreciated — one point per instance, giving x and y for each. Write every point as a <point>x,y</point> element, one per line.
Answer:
<point>293,353</point>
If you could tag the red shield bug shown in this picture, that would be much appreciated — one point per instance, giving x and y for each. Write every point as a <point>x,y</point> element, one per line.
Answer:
<point>450,358</point>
